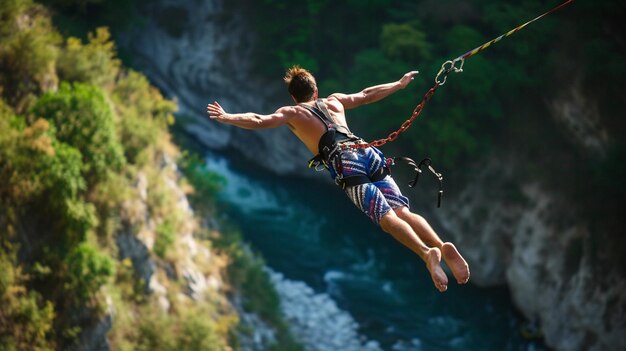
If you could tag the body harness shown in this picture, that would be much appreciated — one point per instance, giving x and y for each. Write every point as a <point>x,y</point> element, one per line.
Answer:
<point>333,143</point>
<point>330,144</point>
<point>338,138</point>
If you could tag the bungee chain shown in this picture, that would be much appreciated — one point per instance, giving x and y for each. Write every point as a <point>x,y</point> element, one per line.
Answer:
<point>394,135</point>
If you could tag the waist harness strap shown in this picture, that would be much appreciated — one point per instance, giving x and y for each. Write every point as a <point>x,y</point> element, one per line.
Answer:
<point>359,179</point>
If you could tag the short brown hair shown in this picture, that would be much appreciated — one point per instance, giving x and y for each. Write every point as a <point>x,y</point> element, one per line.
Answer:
<point>300,83</point>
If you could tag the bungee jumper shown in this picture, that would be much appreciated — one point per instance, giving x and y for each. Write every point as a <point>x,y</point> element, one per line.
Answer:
<point>359,167</point>
<point>362,172</point>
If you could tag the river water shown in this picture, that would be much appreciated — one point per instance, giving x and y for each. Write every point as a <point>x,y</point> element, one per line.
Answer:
<point>311,233</point>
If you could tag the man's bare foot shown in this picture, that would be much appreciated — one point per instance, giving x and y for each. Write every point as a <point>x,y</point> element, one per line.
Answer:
<point>433,263</point>
<point>456,262</point>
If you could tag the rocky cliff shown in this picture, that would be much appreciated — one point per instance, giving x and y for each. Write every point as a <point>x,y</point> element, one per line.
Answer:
<point>189,275</point>
<point>520,230</point>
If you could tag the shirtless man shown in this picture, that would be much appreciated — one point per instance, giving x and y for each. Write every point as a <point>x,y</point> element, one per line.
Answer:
<point>321,125</point>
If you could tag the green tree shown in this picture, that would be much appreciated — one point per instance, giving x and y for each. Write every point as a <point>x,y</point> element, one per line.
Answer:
<point>95,63</point>
<point>85,120</point>
<point>406,42</point>
<point>87,270</point>
<point>144,116</point>
<point>378,120</point>
<point>41,175</point>
<point>25,318</point>
<point>28,52</point>
<point>43,206</point>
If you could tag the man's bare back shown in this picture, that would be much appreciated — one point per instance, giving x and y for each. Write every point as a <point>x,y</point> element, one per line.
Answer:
<point>309,128</point>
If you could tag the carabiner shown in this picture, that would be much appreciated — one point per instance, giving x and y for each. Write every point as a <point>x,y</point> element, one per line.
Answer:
<point>452,67</point>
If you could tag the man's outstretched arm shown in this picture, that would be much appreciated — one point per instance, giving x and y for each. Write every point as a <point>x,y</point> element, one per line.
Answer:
<point>374,93</point>
<point>250,120</point>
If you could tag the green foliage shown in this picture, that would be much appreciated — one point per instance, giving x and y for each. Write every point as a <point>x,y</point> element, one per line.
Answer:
<point>260,296</point>
<point>378,120</point>
<point>462,37</point>
<point>94,63</point>
<point>165,237</point>
<point>405,41</point>
<point>198,332</point>
<point>247,275</point>
<point>246,271</point>
<point>193,330</point>
<point>28,52</point>
<point>87,270</point>
<point>43,175</point>
<point>25,319</point>
<point>376,5</point>
<point>407,36</point>
<point>65,178</point>
<point>85,120</point>
<point>65,152</point>
<point>206,183</point>
<point>448,139</point>
<point>144,116</point>
<point>293,57</point>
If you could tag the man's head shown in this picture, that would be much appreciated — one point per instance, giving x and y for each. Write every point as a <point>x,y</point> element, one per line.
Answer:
<point>301,84</point>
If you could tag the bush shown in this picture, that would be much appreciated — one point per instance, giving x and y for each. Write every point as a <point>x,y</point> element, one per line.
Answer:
<point>84,119</point>
<point>144,116</point>
<point>25,319</point>
<point>87,270</point>
<point>405,41</point>
<point>28,52</point>
<point>198,332</point>
<point>193,330</point>
<point>95,63</point>
<point>42,175</point>
<point>206,184</point>
<point>165,237</point>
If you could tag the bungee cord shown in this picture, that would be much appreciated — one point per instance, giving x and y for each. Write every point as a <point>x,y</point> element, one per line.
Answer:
<point>456,66</point>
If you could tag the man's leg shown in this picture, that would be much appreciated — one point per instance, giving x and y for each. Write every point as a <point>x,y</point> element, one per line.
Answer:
<point>451,255</point>
<point>403,232</point>
<point>377,205</point>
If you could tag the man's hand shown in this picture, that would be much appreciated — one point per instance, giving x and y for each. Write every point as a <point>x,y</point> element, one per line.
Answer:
<point>215,111</point>
<point>407,78</point>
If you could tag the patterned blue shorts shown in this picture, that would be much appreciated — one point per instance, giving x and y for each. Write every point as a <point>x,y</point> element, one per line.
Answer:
<point>374,199</point>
